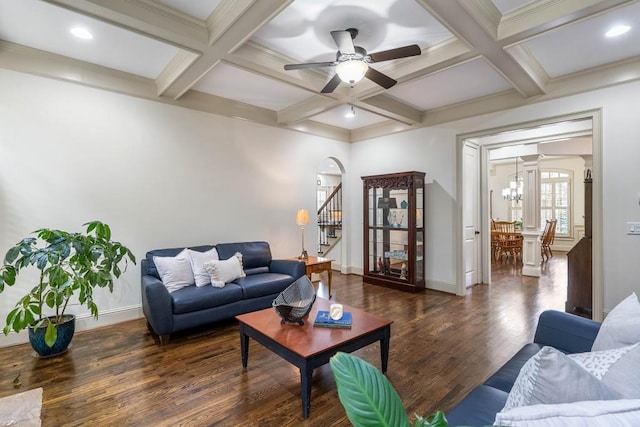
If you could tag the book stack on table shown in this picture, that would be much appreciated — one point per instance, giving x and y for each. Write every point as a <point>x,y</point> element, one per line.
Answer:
<point>323,320</point>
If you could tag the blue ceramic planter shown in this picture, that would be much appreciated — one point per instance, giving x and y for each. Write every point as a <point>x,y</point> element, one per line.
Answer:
<point>66,329</point>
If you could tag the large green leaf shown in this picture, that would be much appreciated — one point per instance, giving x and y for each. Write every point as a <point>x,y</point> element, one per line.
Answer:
<point>91,225</point>
<point>367,396</point>
<point>41,260</point>
<point>50,335</point>
<point>12,255</point>
<point>8,276</point>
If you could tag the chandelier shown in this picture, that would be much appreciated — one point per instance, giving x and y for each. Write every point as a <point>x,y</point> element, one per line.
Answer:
<point>514,191</point>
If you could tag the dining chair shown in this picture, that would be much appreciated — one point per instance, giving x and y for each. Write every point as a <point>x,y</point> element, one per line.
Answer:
<point>508,244</point>
<point>505,226</point>
<point>494,238</point>
<point>548,236</point>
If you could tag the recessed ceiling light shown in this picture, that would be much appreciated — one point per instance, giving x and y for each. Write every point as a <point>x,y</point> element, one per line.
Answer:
<point>81,33</point>
<point>351,113</point>
<point>617,30</point>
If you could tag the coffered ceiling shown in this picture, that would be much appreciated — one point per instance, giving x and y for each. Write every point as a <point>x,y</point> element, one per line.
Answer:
<point>227,56</point>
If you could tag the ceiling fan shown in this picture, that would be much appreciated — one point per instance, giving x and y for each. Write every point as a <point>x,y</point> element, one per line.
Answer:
<point>352,62</point>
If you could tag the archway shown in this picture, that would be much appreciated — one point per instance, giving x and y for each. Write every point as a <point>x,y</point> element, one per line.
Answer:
<point>329,205</point>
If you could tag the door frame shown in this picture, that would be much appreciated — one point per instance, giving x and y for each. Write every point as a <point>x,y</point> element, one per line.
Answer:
<point>485,240</point>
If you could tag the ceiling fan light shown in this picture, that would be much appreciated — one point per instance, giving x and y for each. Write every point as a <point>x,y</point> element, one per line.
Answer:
<point>351,71</point>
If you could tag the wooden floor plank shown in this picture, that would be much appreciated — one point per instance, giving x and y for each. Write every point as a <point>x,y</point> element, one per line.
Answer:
<point>441,347</point>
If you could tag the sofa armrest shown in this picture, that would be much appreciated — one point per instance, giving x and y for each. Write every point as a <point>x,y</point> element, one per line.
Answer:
<point>566,332</point>
<point>293,268</point>
<point>157,305</point>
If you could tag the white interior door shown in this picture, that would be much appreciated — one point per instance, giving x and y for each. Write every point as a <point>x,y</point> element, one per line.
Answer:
<point>470,213</point>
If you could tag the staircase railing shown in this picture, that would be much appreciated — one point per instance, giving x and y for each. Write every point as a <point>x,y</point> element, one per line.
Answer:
<point>329,218</point>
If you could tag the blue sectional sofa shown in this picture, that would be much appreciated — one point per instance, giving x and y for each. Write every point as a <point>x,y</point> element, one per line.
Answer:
<point>566,332</point>
<point>193,306</point>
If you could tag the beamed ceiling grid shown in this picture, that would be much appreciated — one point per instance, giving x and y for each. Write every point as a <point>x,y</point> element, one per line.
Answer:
<point>227,57</point>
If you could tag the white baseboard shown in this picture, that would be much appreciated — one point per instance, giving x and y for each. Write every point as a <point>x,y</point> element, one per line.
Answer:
<point>561,248</point>
<point>83,322</point>
<point>449,288</point>
<point>437,286</point>
<point>353,270</point>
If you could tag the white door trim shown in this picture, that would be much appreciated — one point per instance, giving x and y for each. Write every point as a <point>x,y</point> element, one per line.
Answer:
<point>598,277</point>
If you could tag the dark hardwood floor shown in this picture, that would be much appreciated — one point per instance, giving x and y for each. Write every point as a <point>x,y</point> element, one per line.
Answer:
<point>441,347</point>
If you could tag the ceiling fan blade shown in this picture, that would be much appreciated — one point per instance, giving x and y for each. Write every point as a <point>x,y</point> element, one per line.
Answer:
<point>379,78</point>
<point>343,41</point>
<point>399,52</point>
<point>308,65</point>
<point>332,85</point>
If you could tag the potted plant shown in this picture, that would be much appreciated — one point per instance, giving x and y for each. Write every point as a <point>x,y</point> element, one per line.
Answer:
<point>368,397</point>
<point>69,265</point>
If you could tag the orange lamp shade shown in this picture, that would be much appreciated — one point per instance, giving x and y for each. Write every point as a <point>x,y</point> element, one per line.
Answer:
<point>302,217</point>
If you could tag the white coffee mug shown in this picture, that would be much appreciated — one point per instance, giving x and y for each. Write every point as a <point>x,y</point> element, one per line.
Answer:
<point>335,311</point>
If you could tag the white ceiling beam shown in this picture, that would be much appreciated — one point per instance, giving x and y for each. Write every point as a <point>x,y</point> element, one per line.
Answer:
<point>254,17</point>
<point>466,26</point>
<point>386,106</point>
<point>321,129</point>
<point>255,57</point>
<point>178,65</point>
<point>41,63</point>
<point>305,109</point>
<point>432,60</point>
<point>486,14</point>
<point>380,129</point>
<point>151,19</point>
<point>231,24</point>
<point>33,61</point>
<point>224,16</point>
<point>227,107</point>
<point>530,64</point>
<point>544,15</point>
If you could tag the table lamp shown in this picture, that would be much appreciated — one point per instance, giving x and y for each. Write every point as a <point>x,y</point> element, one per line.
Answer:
<point>302,219</point>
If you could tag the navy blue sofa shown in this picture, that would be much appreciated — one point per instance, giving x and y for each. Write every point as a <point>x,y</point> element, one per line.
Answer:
<point>193,306</point>
<point>566,332</point>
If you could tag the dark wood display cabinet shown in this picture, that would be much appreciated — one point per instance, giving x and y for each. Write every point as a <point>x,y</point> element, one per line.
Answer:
<point>580,263</point>
<point>394,230</point>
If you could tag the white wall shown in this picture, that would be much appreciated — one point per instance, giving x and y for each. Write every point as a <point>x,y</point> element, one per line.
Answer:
<point>160,175</point>
<point>165,176</point>
<point>432,150</point>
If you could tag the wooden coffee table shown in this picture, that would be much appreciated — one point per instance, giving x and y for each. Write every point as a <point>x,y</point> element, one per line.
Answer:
<point>307,347</point>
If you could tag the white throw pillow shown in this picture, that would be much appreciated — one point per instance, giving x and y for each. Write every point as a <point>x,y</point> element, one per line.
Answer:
<point>621,327</point>
<point>200,274</point>
<point>618,369</point>
<point>175,272</point>
<point>225,271</point>
<point>603,413</point>
<point>552,377</point>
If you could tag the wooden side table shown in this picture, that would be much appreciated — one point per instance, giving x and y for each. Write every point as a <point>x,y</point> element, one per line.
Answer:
<point>316,264</point>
